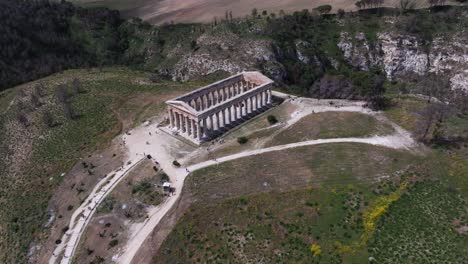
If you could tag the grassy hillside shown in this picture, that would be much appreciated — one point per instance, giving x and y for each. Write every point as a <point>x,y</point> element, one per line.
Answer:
<point>324,204</point>
<point>49,125</point>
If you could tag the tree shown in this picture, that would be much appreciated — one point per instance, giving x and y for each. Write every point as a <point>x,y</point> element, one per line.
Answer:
<point>49,119</point>
<point>194,45</point>
<point>431,119</point>
<point>24,120</point>
<point>62,94</point>
<point>359,4</point>
<point>242,140</point>
<point>154,78</point>
<point>176,163</point>
<point>70,111</point>
<point>254,13</point>
<point>39,90</point>
<point>323,9</point>
<point>341,13</point>
<point>272,119</point>
<point>78,86</point>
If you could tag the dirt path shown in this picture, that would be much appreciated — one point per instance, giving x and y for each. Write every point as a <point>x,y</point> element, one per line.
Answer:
<point>150,140</point>
<point>401,139</point>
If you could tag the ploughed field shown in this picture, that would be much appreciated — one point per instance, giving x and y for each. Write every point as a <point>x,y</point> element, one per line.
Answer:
<point>164,11</point>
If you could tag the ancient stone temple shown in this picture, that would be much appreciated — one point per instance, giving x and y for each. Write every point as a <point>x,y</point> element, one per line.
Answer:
<point>214,109</point>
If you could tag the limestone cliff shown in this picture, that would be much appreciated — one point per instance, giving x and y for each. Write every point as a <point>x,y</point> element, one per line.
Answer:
<point>403,55</point>
<point>227,53</point>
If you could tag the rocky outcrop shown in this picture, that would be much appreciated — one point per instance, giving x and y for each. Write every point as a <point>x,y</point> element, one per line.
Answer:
<point>226,53</point>
<point>403,55</point>
<point>460,81</point>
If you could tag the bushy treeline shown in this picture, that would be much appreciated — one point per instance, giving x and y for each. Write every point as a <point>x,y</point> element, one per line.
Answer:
<point>41,37</point>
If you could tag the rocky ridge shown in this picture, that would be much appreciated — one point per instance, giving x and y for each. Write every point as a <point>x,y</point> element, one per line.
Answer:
<point>402,55</point>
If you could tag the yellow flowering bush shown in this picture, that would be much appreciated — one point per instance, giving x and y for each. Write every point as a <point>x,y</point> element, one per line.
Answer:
<point>316,250</point>
<point>370,218</point>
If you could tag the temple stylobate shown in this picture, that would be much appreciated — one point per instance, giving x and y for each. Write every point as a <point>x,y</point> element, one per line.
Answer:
<point>214,109</point>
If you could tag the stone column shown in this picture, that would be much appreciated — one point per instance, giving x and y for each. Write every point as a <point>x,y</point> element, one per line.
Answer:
<point>234,107</point>
<point>252,106</point>
<point>259,101</point>
<point>171,121</point>
<point>199,130</point>
<point>227,118</point>
<point>252,102</point>
<point>215,97</point>
<point>243,108</point>
<point>223,118</point>
<point>200,103</point>
<point>193,128</point>
<point>176,116</point>
<point>185,124</point>
<point>181,123</point>
<point>246,100</point>
<point>205,128</point>
<point>233,113</point>
<point>190,126</point>
<point>216,121</point>
<point>211,124</point>
<point>269,96</point>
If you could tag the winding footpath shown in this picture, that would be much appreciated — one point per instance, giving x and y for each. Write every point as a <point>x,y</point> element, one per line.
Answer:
<point>164,148</point>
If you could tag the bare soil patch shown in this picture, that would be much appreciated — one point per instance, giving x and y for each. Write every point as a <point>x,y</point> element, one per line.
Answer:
<point>127,204</point>
<point>76,186</point>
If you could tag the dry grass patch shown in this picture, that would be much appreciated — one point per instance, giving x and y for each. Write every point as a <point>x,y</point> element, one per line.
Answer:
<point>331,125</point>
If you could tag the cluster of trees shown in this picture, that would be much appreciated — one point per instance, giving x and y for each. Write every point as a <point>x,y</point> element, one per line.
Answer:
<point>41,37</point>
<point>363,4</point>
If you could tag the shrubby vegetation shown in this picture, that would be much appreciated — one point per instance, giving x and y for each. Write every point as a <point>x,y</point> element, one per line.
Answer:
<point>42,37</point>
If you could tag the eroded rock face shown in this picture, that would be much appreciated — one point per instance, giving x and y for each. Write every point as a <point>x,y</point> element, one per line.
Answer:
<point>228,54</point>
<point>460,81</point>
<point>402,55</point>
